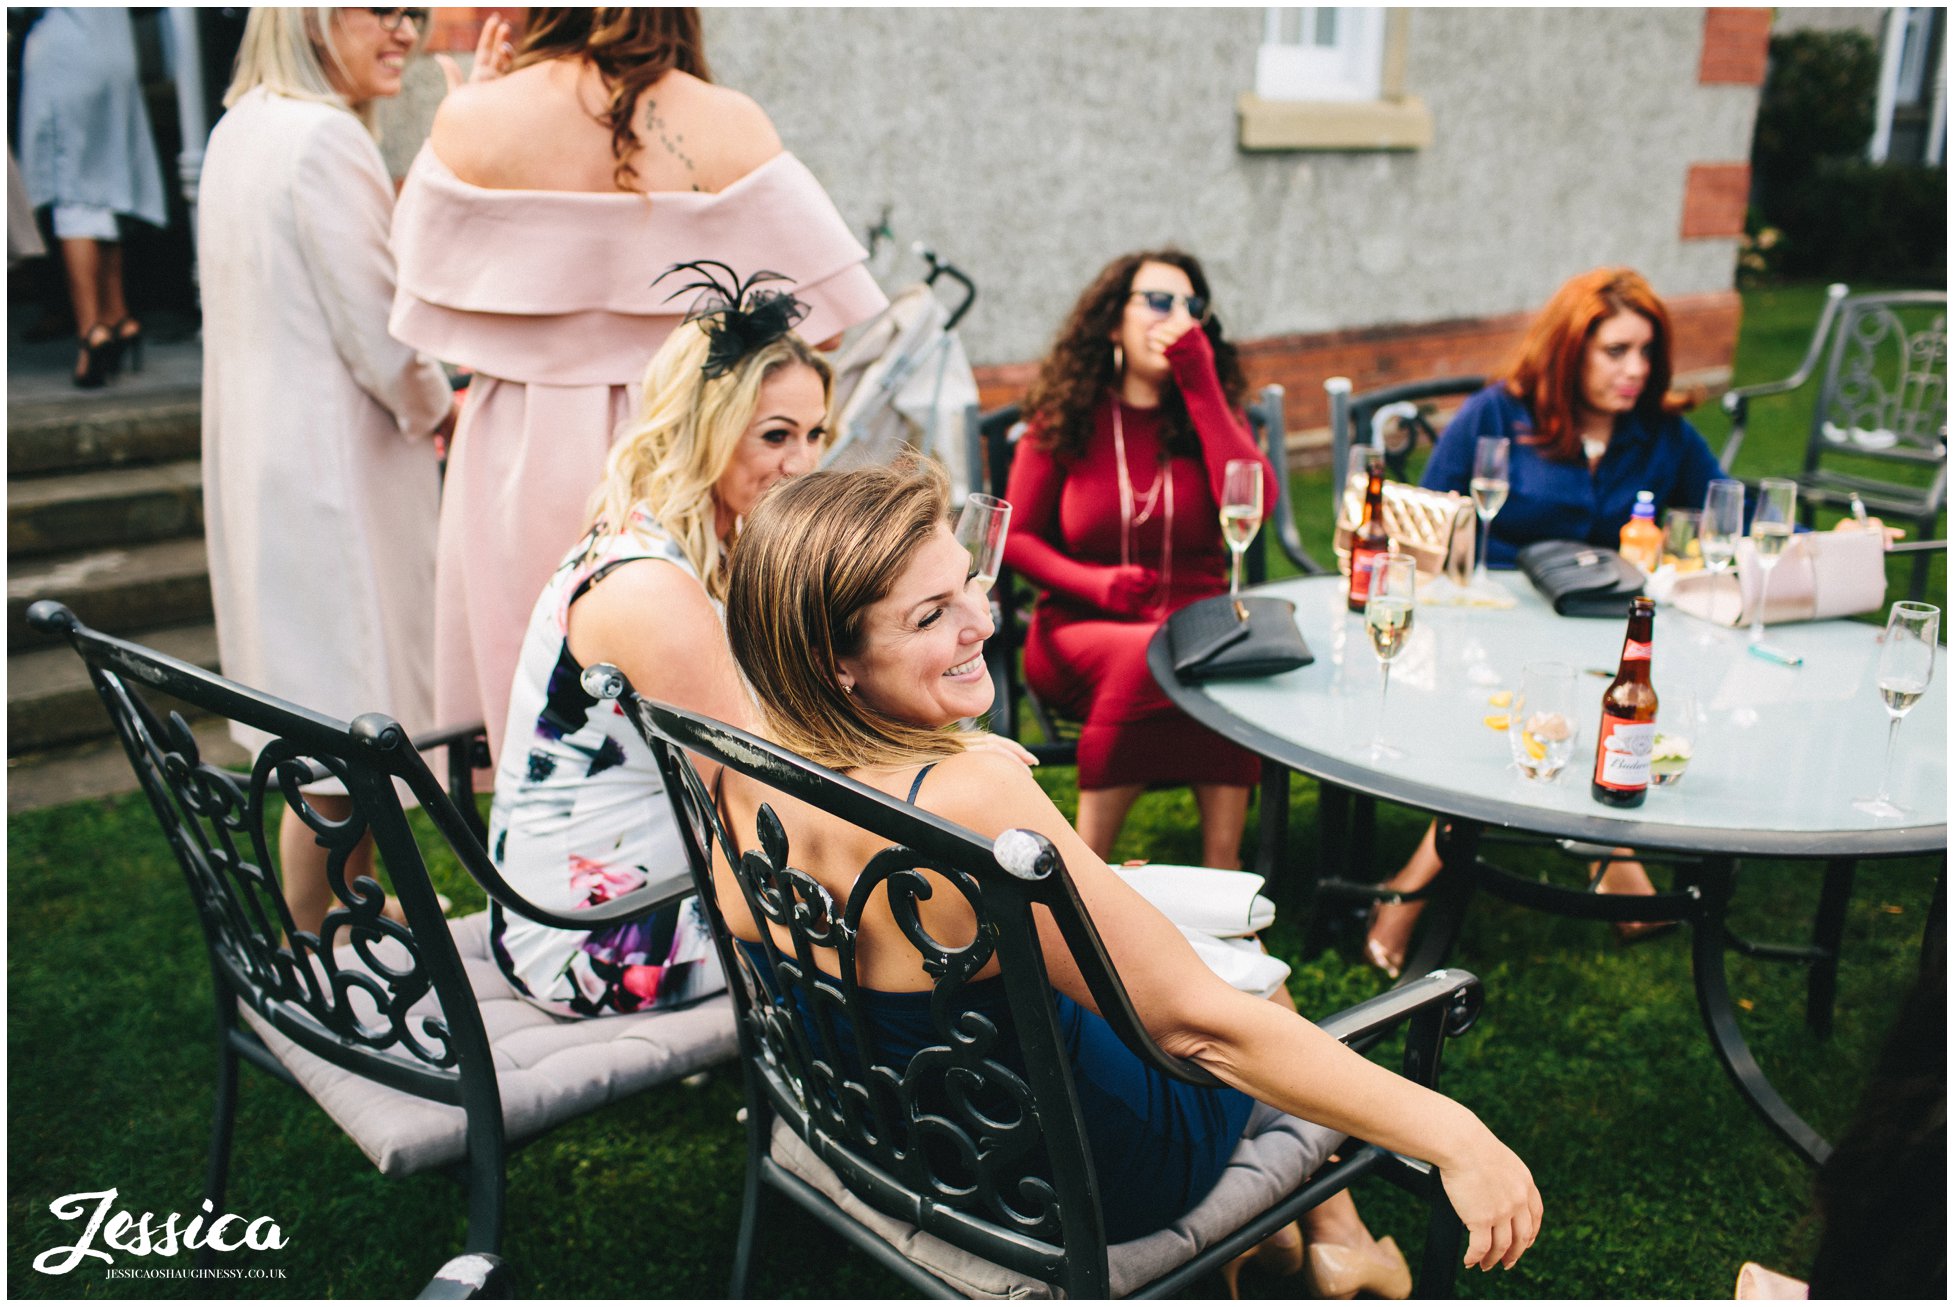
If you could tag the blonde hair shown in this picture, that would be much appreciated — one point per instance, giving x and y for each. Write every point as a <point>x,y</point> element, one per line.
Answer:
<point>670,459</point>
<point>816,554</point>
<point>286,51</point>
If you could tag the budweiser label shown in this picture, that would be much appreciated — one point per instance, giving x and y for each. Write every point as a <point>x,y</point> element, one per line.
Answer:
<point>1360,575</point>
<point>1635,651</point>
<point>1622,760</point>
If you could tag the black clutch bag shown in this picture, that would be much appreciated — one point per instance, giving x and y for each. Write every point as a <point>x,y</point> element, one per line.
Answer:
<point>1580,579</point>
<point>1211,639</point>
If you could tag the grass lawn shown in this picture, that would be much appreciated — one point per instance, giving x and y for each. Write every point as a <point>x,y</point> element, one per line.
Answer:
<point>1589,1060</point>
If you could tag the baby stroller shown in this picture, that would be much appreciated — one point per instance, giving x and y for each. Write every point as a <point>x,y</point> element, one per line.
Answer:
<point>903,382</point>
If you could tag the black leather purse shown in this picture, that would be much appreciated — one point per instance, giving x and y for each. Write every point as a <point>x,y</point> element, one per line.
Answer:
<point>1580,579</point>
<point>1210,640</point>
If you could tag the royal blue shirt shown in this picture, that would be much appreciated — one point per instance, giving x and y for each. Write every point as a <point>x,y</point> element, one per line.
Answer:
<point>1552,500</point>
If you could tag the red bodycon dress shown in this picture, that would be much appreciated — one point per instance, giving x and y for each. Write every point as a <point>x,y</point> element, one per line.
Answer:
<point>1086,651</point>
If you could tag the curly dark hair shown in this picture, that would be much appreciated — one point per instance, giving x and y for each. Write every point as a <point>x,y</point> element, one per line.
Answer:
<point>630,47</point>
<point>1079,369</point>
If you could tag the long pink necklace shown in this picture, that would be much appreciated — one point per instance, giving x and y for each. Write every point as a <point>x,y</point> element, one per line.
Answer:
<point>1163,486</point>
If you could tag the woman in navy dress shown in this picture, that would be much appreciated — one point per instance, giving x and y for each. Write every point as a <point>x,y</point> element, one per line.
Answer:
<point>1587,403</point>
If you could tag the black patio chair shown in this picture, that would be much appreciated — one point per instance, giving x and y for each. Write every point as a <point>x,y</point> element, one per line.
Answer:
<point>994,439</point>
<point>954,1172</point>
<point>1881,407</point>
<point>409,1036</point>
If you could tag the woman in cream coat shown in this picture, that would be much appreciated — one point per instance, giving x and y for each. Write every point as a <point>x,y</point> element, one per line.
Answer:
<point>321,489</point>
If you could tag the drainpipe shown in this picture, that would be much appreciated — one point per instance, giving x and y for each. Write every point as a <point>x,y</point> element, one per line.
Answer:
<point>189,50</point>
<point>1889,80</point>
<point>1937,113</point>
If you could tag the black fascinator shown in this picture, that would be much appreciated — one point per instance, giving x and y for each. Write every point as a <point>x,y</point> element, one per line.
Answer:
<point>737,316</point>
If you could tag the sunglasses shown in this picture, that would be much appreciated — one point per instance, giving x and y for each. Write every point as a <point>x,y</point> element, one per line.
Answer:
<point>1163,301</point>
<point>391,19</point>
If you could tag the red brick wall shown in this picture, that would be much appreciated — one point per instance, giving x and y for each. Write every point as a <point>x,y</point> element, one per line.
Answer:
<point>456,30</point>
<point>1736,44</point>
<point>1714,199</point>
<point>1706,344</point>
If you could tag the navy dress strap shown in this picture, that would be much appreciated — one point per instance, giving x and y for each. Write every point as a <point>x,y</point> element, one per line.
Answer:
<point>917,784</point>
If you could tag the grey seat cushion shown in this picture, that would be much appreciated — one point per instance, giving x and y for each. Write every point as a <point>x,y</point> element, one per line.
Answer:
<point>1276,1153</point>
<point>547,1068</point>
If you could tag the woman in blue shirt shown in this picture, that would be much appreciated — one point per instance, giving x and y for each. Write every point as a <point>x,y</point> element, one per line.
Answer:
<point>1587,404</point>
<point>1588,407</point>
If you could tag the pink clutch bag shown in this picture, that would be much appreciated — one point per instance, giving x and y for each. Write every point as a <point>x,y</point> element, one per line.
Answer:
<point>1820,574</point>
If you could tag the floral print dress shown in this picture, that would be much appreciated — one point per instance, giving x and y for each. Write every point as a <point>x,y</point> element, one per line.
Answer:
<point>581,817</point>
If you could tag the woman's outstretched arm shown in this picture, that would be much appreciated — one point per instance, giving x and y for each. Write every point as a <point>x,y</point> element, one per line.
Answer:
<point>1256,1046</point>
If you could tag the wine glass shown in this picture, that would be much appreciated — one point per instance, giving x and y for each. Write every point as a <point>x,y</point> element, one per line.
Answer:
<point>981,528</point>
<point>1770,531</point>
<point>1906,668</point>
<point>1489,487</point>
<point>1241,511</point>
<point>1541,730</point>
<point>1717,531</point>
<point>1387,615</point>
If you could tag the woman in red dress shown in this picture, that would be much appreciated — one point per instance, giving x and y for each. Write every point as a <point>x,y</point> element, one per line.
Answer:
<point>1116,493</point>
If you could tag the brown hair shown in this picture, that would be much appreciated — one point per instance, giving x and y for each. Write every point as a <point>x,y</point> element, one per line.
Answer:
<point>1076,374</point>
<point>630,47</point>
<point>816,554</point>
<point>1545,372</point>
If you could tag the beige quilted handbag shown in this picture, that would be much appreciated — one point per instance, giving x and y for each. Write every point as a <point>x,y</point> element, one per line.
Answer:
<point>1436,527</point>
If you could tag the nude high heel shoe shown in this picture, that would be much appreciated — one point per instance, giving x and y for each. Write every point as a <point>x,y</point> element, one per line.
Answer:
<point>1279,1254</point>
<point>1338,1271</point>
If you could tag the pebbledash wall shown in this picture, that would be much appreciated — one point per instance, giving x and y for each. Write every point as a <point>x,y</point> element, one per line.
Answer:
<point>1031,145</point>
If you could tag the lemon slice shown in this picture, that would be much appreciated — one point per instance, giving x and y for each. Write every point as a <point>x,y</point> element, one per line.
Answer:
<point>1536,750</point>
<point>1498,721</point>
<point>1501,699</point>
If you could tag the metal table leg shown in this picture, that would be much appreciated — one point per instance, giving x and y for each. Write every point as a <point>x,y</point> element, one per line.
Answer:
<point>1458,853</point>
<point>1717,877</point>
<point>1828,934</point>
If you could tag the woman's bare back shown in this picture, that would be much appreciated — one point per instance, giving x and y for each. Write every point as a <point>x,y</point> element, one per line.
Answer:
<point>542,128</point>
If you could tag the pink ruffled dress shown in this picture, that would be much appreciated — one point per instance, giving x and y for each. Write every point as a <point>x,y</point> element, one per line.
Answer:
<point>547,297</point>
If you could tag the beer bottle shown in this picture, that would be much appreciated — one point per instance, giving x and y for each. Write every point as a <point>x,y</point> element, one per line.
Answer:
<point>1369,540</point>
<point>1621,754</point>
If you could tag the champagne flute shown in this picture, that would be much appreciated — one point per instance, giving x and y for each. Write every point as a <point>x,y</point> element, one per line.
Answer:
<point>1906,668</point>
<point>1717,532</point>
<point>1241,511</point>
<point>981,528</point>
<point>1387,615</point>
<point>1489,487</point>
<point>1770,531</point>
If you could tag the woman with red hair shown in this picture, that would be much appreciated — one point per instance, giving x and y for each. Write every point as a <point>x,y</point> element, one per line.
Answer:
<point>1587,404</point>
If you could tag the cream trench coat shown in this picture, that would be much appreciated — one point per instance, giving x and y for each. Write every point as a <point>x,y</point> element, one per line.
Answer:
<point>321,490</point>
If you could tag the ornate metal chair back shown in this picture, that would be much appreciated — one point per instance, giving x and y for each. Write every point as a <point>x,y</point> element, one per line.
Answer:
<point>343,992</point>
<point>976,1137</point>
<point>1884,393</point>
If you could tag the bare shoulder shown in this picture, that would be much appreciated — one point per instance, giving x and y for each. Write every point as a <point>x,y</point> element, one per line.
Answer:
<point>734,133</point>
<point>989,792</point>
<point>640,606</point>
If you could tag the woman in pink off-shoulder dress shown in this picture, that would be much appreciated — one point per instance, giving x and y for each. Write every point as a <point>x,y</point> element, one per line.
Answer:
<point>528,234</point>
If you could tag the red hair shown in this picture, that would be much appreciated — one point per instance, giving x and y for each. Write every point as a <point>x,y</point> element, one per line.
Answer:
<point>1545,372</point>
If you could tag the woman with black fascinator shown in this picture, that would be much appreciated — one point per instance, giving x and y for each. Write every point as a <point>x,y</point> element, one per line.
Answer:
<point>1116,494</point>
<point>734,402</point>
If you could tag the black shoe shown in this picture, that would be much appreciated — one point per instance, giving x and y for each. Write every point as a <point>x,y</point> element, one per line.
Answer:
<point>96,361</point>
<point>128,340</point>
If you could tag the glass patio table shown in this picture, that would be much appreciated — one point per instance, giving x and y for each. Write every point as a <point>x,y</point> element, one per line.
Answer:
<point>1780,753</point>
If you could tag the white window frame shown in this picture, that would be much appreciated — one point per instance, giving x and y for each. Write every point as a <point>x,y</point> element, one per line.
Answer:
<point>1333,54</point>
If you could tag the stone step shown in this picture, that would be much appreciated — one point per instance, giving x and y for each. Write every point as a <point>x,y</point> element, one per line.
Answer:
<point>51,436</point>
<point>117,506</point>
<point>100,769</point>
<point>115,590</point>
<point>51,702</point>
